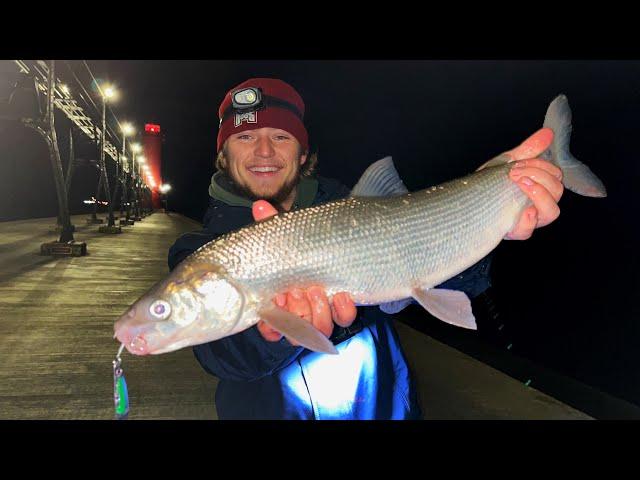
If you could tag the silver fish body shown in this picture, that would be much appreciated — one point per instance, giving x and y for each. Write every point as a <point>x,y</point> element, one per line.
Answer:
<point>377,249</point>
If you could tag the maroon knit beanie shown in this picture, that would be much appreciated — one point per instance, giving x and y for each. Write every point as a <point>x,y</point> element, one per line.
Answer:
<point>273,116</point>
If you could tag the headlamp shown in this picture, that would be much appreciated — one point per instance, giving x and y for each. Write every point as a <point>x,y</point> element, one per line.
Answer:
<point>251,99</point>
<point>246,99</point>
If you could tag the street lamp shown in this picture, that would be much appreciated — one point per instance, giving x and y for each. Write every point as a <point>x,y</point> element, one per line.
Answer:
<point>136,148</point>
<point>107,93</point>
<point>127,130</point>
<point>165,188</point>
<point>143,170</point>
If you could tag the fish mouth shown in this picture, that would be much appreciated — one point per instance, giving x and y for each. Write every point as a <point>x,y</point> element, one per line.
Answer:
<point>135,344</point>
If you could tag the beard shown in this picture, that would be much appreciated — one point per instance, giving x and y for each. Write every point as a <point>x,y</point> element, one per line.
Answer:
<point>276,199</point>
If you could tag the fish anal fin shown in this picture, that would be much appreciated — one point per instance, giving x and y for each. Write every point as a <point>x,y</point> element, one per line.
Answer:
<point>396,306</point>
<point>450,306</point>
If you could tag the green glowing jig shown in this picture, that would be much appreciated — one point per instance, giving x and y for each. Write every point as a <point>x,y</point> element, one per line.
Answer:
<point>120,393</point>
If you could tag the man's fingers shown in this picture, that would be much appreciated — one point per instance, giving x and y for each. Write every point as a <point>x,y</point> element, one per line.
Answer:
<point>313,306</point>
<point>533,146</point>
<point>549,181</point>
<point>281,300</point>
<point>526,225</point>
<point>269,334</point>
<point>541,164</point>
<point>344,308</point>
<point>320,310</point>
<point>262,209</point>
<point>543,201</point>
<point>298,304</point>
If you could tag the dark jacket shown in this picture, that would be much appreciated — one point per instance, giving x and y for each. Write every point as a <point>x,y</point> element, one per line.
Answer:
<point>369,379</point>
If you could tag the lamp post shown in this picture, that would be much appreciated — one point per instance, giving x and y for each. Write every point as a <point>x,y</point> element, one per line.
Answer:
<point>165,188</point>
<point>107,93</point>
<point>143,172</point>
<point>135,176</point>
<point>148,185</point>
<point>94,214</point>
<point>65,244</point>
<point>127,129</point>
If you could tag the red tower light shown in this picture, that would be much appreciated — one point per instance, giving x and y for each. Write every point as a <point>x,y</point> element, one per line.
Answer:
<point>152,147</point>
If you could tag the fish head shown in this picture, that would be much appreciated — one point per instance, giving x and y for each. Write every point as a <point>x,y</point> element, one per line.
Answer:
<point>197,303</point>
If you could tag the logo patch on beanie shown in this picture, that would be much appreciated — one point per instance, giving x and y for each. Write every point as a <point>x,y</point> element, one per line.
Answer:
<point>249,117</point>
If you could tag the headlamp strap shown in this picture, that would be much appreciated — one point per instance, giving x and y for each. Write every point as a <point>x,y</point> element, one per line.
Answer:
<point>267,101</point>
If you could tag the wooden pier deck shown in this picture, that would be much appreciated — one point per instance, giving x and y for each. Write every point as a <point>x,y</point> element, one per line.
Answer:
<point>56,338</point>
<point>56,325</point>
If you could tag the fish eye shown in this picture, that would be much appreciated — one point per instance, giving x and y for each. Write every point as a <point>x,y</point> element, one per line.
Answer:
<point>160,309</point>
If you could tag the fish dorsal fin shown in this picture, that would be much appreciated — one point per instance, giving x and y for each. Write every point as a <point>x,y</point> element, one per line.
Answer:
<point>450,306</point>
<point>297,329</point>
<point>381,179</point>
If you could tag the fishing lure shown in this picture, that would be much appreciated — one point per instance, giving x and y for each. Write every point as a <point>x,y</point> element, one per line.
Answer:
<point>120,392</point>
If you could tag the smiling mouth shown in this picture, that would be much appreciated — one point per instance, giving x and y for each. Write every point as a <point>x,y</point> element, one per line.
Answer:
<point>264,169</point>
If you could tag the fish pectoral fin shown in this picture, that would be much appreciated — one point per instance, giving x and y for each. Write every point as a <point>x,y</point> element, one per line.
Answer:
<point>450,306</point>
<point>396,306</point>
<point>298,329</point>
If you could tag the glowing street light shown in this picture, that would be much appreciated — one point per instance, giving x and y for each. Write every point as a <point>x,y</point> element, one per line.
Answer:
<point>165,188</point>
<point>136,147</point>
<point>127,129</point>
<point>108,92</point>
<point>64,89</point>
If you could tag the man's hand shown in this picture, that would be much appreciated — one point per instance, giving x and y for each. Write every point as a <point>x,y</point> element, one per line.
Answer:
<point>540,180</point>
<point>311,304</point>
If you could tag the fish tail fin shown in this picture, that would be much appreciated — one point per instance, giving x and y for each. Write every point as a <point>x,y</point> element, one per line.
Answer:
<point>577,177</point>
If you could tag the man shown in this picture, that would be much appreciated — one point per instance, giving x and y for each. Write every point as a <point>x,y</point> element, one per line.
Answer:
<point>264,167</point>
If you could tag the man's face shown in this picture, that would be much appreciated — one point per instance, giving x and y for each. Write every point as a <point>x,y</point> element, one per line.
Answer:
<point>265,163</point>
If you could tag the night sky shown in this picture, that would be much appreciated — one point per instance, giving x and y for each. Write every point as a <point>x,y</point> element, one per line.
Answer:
<point>568,294</point>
